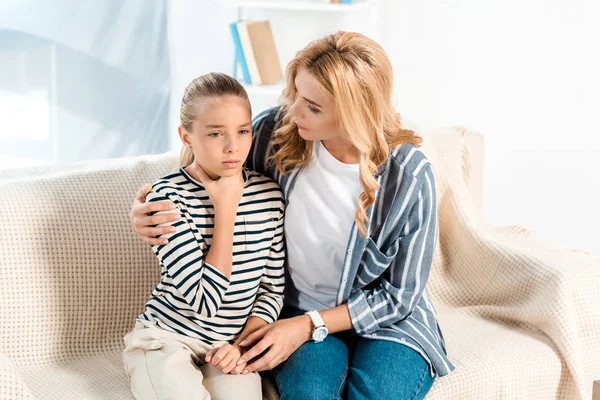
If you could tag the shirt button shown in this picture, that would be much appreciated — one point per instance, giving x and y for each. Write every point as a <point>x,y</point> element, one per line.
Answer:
<point>349,251</point>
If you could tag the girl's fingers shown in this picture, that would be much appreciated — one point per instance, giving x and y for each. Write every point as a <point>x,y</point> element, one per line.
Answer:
<point>219,355</point>
<point>204,178</point>
<point>225,361</point>
<point>229,367</point>
<point>209,355</point>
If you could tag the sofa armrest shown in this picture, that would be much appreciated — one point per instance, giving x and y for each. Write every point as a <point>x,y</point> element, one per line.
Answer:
<point>514,278</point>
<point>460,153</point>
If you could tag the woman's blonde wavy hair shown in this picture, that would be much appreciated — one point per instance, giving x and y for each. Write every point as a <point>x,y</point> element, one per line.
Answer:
<point>358,76</point>
<point>214,84</point>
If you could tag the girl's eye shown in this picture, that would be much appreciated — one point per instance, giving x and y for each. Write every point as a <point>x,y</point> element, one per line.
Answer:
<point>214,134</point>
<point>313,110</point>
<point>244,131</point>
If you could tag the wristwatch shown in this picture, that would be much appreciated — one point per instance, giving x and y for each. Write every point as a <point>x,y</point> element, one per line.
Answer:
<point>319,332</point>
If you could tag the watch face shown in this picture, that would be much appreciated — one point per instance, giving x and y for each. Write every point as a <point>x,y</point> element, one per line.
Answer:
<point>319,334</point>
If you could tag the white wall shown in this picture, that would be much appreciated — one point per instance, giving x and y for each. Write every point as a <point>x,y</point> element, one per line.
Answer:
<point>524,74</point>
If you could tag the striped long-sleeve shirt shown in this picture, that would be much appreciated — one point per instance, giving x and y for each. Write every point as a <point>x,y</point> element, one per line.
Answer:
<point>194,298</point>
<point>384,274</point>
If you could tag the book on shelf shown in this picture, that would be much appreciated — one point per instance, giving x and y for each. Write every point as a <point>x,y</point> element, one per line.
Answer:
<point>247,49</point>
<point>255,52</point>
<point>239,60</point>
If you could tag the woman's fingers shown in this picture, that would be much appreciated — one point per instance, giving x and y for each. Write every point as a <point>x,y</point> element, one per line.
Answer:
<point>255,351</point>
<point>155,206</point>
<point>265,362</point>
<point>165,215</point>
<point>254,337</point>
<point>238,369</point>
<point>142,192</point>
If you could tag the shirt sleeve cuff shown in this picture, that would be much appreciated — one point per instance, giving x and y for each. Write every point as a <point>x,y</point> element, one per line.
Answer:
<point>363,320</point>
<point>263,315</point>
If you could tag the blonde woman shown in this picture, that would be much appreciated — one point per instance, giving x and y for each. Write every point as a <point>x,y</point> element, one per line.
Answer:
<point>360,229</point>
<point>222,274</point>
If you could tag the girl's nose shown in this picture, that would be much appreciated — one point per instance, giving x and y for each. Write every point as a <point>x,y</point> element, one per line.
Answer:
<point>231,147</point>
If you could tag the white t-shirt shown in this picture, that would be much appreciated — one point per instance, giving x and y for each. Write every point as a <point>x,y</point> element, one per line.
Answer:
<point>318,220</point>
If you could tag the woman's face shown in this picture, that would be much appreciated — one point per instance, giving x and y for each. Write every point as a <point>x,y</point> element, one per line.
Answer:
<point>314,111</point>
<point>221,135</point>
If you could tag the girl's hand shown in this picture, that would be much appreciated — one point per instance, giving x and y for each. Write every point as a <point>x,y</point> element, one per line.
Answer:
<point>225,193</point>
<point>146,226</point>
<point>280,339</point>
<point>225,358</point>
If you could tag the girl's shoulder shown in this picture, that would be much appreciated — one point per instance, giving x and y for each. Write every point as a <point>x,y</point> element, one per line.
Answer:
<point>178,183</point>
<point>257,181</point>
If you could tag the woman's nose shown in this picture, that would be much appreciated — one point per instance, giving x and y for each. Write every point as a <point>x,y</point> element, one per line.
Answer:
<point>294,110</point>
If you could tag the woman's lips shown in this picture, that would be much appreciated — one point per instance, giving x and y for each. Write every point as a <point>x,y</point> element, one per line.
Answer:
<point>300,127</point>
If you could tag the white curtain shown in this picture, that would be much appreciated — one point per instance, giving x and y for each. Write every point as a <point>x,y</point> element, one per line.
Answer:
<point>83,80</point>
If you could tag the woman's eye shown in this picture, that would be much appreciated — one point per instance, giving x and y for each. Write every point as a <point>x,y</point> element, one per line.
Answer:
<point>244,131</point>
<point>214,134</point>
<point>313,110</point>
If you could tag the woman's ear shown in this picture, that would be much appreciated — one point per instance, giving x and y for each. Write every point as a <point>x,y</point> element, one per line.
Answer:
<point>184,136</point>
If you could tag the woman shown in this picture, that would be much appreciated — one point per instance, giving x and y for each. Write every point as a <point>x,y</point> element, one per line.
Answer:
<point>360,228</point>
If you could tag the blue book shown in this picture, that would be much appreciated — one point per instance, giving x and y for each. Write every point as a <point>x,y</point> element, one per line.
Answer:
<point>239,54</point>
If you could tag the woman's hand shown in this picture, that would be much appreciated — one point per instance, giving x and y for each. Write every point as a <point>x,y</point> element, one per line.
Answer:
<point>147,227</point>
<point>225,192</point>
<point>225,358</point>
<point>280,339</point>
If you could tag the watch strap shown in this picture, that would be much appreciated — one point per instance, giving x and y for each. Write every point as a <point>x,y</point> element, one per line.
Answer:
<point>316,318</point>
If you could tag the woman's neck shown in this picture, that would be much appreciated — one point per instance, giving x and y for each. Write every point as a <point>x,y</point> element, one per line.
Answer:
<point>342,151</point>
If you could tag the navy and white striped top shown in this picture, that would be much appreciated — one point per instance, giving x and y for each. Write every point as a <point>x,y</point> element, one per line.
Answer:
<point>194,298</point>
<point>383,275</point>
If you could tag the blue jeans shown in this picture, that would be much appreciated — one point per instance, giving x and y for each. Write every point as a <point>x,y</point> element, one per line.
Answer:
<point>346,366</point>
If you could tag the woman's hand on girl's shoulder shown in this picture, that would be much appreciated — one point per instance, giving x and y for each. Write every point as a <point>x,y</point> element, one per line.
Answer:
<point>145,225</point>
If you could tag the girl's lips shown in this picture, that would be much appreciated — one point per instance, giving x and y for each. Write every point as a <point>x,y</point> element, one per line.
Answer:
<point>300,127</point>
<point>231,164</point>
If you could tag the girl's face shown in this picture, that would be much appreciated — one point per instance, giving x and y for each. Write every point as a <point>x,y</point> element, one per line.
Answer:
<point>221,135</point>
<point>314,111</point>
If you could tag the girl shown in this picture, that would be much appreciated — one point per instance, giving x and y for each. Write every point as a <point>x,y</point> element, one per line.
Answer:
<point>222,266</point>
<point>361,230</point>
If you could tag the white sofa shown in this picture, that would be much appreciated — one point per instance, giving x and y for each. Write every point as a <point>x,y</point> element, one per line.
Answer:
<point>521,318</point>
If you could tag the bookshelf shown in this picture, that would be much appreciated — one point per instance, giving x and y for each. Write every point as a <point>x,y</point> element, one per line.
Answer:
<point>295,23</point>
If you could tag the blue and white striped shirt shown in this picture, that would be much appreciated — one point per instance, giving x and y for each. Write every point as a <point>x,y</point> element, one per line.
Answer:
<point>194,298</point>
<point>384,275</point>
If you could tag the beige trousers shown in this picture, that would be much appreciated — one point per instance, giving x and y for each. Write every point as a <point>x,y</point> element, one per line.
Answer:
<point>163,365</point>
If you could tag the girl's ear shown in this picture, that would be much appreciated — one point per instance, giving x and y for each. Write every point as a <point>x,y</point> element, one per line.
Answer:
<point>184,136</point>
